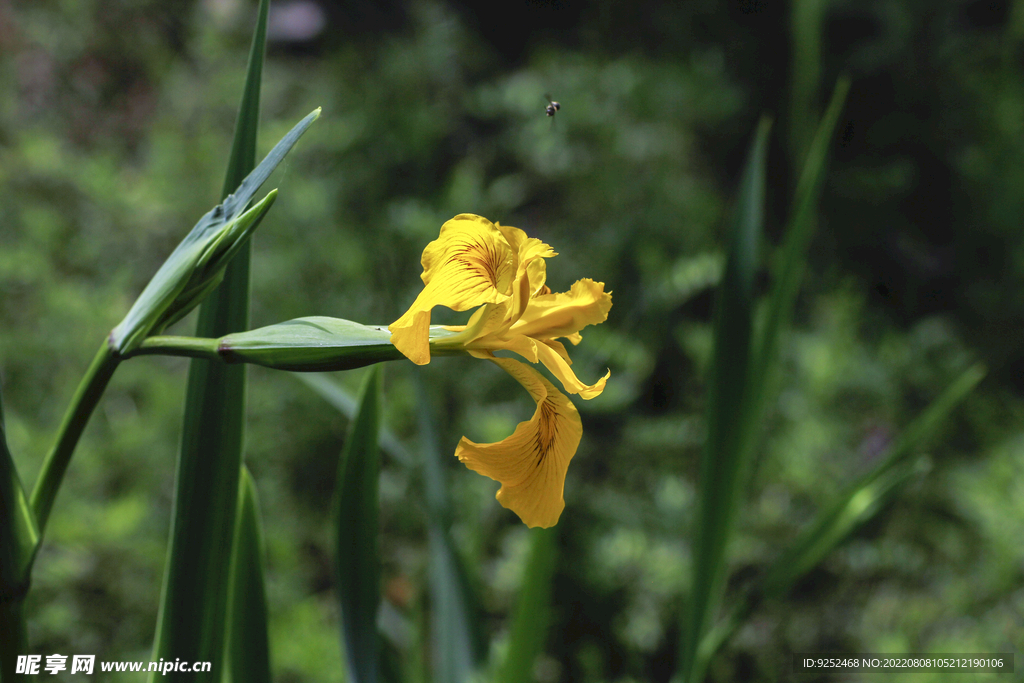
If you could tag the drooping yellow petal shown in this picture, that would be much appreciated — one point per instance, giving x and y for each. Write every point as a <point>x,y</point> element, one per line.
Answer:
<point>531,463</point>
<point>469,264</point>
<point>559,348</point>
<point>564,314</point>
<point>558,366</point>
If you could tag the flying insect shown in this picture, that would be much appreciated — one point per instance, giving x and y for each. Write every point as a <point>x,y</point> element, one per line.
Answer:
<point>552,106</point>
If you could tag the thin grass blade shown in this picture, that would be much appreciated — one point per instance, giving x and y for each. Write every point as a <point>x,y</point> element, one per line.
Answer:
<point>532,615</point>
<point>730,423</point>
<point>357,559</point>
<point>861,501</point>
<point>193,608</point>
<point>789,270</point>
<point>248,655</point>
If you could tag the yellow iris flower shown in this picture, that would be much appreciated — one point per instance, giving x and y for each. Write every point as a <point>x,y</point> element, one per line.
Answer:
<point>478,263</point>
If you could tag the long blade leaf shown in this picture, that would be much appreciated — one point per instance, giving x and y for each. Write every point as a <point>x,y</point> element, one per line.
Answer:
<point>456,647</point>
<point>195,595</point>
<point>749,408</point>
<point>799,230</point>
<point>357,560</point>
<point>861,501</point>
<point>788,273</point>
<point>731,430</point>
<point>248,653</point>
<point>532,614</point>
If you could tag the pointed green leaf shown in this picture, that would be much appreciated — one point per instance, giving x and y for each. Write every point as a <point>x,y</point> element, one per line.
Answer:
<point>721,502</point>
<point>456,647</point>
<point>199,247</point>
<point>357,560</point>
<point>731,431</point>
<point>532,614</point>
<point>248,654</point>
<point>805,29</point>
<point>799,230</point>
<point>192,622</point>
<point>243,146</point>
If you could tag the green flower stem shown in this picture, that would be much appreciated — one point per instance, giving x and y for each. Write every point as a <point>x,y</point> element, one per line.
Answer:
<point>84,402</point>
<point>188,347</point>
<point>15,639</point>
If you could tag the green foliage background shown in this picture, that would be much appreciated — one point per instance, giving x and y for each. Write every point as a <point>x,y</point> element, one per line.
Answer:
<point>112,144</point>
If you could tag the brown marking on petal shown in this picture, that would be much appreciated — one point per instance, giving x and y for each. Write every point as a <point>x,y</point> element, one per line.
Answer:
<point>547,430</point>
<point>470,257</point>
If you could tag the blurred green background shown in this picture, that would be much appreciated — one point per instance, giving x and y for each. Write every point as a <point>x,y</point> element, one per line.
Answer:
<point>115,124</point>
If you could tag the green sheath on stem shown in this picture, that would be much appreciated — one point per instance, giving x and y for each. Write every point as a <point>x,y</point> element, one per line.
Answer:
<point>315,344</point>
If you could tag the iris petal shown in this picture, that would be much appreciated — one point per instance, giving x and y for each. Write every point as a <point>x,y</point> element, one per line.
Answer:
<point>560,369</point>
<point>469,264</point>
<point>564,314</point>
<point>531,273</point>
<point>531,463</point>
<point>499,268</point>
